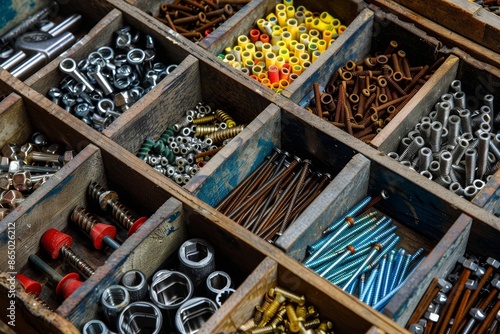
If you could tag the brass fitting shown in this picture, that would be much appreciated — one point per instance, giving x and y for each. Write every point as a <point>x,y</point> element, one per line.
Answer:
<point>272,309</point>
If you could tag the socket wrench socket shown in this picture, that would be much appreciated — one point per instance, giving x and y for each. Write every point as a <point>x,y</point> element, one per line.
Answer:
<point>223,296</point>
<point>135,283</point>
<point>197,260</point>
<point>95,327</point>
<point>217,282</point>
<point>114,299</point>
<point>192,315</point>
<point>140,317</point>
<point>169,289</point>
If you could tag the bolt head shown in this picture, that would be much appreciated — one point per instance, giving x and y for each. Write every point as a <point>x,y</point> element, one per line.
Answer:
<point>11,199</point>
<point>444,285</point>
<point>469,264</point>
<point>495,283</point>
<point>53,240</point>
<point>416,329</point>
<point>22,181</point>
<point>5,182</point>
<point>477,314</point>
<point>4,212</point>
<point>471,284</point>
<point>434,317</point>
<point>441,298</point>
<point>492,262</point>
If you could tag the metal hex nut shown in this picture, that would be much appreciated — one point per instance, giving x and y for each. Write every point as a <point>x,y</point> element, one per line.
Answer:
<point>11,198</point>
<point>492,262</point>
<point>22,181</point>
<point>5,182</point>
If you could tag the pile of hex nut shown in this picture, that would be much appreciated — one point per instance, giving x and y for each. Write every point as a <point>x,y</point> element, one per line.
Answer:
<point>196,19</point>
<point>179,300</point>
<point>363,96</point>
<point>102,86</point>
<point>269,200</point>
<point>456,147</point>
<point>25,168</point>
<point>358,253</point>
<point>466,302</point>
<point>186,146</point>
<point>283,44</point>
<point>285,312</point>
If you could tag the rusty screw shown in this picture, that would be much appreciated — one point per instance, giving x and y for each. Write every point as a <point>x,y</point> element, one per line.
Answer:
<point>99,233</point>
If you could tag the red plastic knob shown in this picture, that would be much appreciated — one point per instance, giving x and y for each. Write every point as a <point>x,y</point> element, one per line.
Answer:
<point>99,231</point>
<point>67,285</point>
<point>53,240</point>
<point>29,285</point>
<point>135,226</point>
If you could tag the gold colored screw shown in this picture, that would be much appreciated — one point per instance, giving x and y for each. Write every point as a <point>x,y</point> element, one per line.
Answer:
<point>222,116</point>
<point>247,325</point>
<point>204,120</point>
<point>260,309</point>
<point>268,329</point>
<point>293,297</point>
<point>278,318</point>
<point>292,317</point>
<point>221,135</point>
<point>312,323</point>
<point>272,309</point>
<point>203,130</point>
<point>301,313</point>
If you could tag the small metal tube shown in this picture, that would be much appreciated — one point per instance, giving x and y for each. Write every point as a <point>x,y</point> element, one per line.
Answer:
<point>427,174</point>
<point>470,166</point>
<point>456,85</point>
<point>405,142</point>
<point>95,327</point>
<point>445,181</point>
<point>459,99</point>
<point>13,60</point>
<point>465,118</point>
<point>436,131</point>
<point>453,128</point>
<point>456,188</point>
<point>478,184</point>
<point>70,23</point>
<point>413,147</point>
<point>470,192</point>
<point>425,131</point>
<point>135,283</point>
<point>434,169</point>
<point>488,101</point>
<point>216,282</point>
<point>425,158</point>
<point>169,289</point>
<point>482,161</point>
<point>443,113</point>
<point>445,161</point>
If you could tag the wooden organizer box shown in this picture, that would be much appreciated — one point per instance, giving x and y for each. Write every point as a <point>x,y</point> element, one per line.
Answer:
<point>420,208</point>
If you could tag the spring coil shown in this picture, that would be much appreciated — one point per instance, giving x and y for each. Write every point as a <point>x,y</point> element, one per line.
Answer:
<point>301,312</point>
<point>83,218</point>
<point>169,132</point>
<point>40,301</point>
<point>222,116</point>
<point>202,130</point>
<point>121,214</point>
<point>145,148</point>
<point>77,261</point>
<point>204,120</point>
<point>222,135</point>
<point>95,191</point>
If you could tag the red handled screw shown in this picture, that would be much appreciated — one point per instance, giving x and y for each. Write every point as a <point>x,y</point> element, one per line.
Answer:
<point>99,233</point>
<point>57,243</point>
<point>65,285</point>
<point>32,288</point>
<point>108,199</point>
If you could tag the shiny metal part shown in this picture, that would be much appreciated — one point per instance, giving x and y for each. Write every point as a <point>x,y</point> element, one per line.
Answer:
<point>68,66</point>
<point>135,283</point>
<point>217,282</point>
<point>192,315</point>
<point>95,327</point>
<point>197,260</point>
<point>114,299</point>
<point>169,289</point>
<point>140,317</point>
<point>223,296</point>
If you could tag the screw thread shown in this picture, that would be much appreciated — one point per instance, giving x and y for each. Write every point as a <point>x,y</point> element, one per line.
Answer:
<point>272,309</point>
<point>95,190</point>
<point>380,279</point>
<point>204,120</point>
<point>419,252</point>
<point>40,301</point>
<point>353,212</point>
<point>83,218</point>
<point>121,214</point>
<point>77,261</point>
<point>278,318</point>
<point>221,135</point>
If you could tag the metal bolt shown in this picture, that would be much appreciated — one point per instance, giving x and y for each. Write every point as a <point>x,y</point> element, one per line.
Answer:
<point>100,233</point>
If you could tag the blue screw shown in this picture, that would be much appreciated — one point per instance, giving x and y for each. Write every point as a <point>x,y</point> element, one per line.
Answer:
<point>406,265</point>
<point>346,224</point>
<point>370,282</point>
<point>419,252</point>
<point>371,293</point>
<point>398,268</point>
<point>370,256</point>
<point>362,279</point>
<point>390,262</point>
<point>349,264</point>
<point>387,249</point>
<point>353,286</point>
<point>353,212</point>
<point>378,286</point>
<point>361,225</point>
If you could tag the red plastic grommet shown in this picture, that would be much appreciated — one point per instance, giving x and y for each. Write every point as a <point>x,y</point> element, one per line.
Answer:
<point>29,285</point>
<point>99,231</point>
<point>68,284</point>
<point>53,240</point>
<point>135,226</point>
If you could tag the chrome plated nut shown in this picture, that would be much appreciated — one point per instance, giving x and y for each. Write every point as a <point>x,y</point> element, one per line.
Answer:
<point>192,315</point>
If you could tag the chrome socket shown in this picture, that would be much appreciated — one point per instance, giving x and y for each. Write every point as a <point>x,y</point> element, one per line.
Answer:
<point>217,282</point>
<point>140,317</point>
<point>192,315</point>
<point>135,283</point>
<point>223,296</point>
<point>197,260</point>
<point>95,327</point>
<point>114,299</point>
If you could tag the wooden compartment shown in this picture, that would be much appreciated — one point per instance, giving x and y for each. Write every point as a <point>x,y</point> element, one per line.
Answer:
<point>467,235</point>
<point>103,33</point>
<point>476,82</point>
<point>346,11</point>
<point>275,127</point>
<point>327,299</point>
<point>461,16</point>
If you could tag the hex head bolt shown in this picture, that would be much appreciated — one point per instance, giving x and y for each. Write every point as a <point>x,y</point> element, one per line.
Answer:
<point>477,315</point>
<point>65,285</point>
<point>434,287</point>
<point>57,244</point>
<point>455,294</point>
<point>68,66</point>
<point>99,233</point>
<point>108,199</point>
<point>33,289</point>
<point>490,317</point>
<point>470,286</point>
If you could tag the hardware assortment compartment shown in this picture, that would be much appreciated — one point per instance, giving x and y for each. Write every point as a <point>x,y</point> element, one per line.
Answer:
<point>476,83</point>
<point>346,12</point>
<point>195,81</point>
<point>275,128</point>
<point>326,300</point>
<point>466,236</point>
<point>103,34</point>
